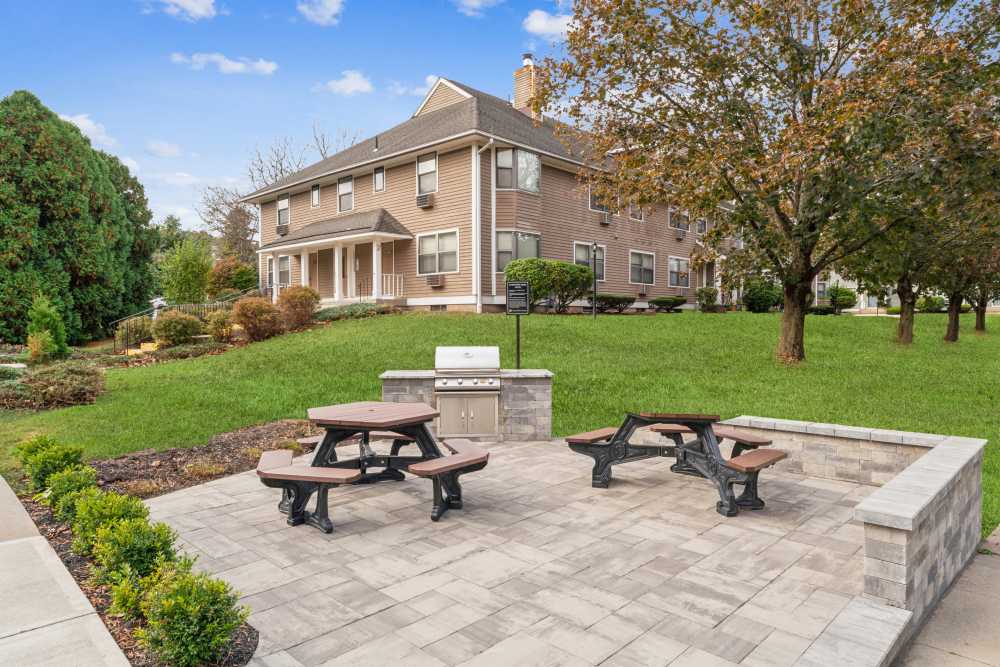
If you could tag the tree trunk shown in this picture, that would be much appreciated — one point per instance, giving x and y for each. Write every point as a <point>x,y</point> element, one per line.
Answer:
<point>954,311</point>
<point>791,345</point>
<point>907,306</point>
<point>981,306</point>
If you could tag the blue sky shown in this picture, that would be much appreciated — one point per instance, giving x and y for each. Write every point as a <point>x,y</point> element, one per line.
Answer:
<point>184,90</point>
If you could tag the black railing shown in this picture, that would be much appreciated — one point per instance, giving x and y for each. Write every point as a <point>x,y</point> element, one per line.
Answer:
<point>137,328</point>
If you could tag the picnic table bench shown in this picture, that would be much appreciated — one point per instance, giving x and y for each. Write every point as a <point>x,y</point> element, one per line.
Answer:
<point>700,456</point>
<point>361,424</point>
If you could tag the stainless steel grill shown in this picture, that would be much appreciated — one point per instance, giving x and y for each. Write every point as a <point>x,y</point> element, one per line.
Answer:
<point>467,369</point>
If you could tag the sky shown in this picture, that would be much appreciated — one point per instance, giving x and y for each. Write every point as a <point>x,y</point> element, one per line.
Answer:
<point>184,91</point>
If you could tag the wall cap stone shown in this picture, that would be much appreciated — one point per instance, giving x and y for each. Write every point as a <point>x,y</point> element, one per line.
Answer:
<point>522,374</point>
<point>839,431</point>
<point>905,500</point>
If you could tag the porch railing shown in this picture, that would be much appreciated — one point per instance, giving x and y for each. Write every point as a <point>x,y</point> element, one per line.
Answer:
<point>392,284</point>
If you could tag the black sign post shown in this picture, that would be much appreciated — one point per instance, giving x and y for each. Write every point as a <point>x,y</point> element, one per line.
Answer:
<point>518,303</point>
<point>593,261</point>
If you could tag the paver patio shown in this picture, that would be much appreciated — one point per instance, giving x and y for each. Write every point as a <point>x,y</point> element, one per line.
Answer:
<point>538,568</point>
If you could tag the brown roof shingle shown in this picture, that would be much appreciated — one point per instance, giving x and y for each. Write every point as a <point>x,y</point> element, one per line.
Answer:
<point>376,220</point>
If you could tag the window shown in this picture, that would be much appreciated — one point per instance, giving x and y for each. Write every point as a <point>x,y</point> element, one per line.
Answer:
<point>378,179</point>
<point>595,203</point>
<point>820,290</point>
<point>581,255</point>
<point>284,271</point>
<point>641,265</point>
<point>314,196</point>
<point>505,168</point>
<point>345,194</point>
<point>283,216</point>
<point>270,272</point>
<point>437,253</point>
<point>701,226</point>
<point>427,173</point>
<point>679,273</point>
<point>526,175</point>
<point>679,220</point>
<point>516,245</point>
<point>635,212</point>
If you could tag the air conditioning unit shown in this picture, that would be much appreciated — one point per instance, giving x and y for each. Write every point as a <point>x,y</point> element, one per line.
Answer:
<point>282,230</point>
<point>679,234</point>
<point>425,201</point>
<point>435,280</point>
<point>606,220</point>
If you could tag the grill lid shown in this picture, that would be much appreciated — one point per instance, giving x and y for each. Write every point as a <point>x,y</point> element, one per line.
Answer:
<point>467,358</point>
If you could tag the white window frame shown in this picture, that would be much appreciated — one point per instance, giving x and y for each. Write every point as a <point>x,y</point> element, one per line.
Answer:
<point>384,182</point>
<point>277,209</point>
<point>270,272</point>
<point>496,246</point>
<point>682,259</point>
<point>698,224</point>
<point>604,259</point>
<point>315,193</point>
<point>340,195</point>
<point>458,251</point>
<point>437,172</point>
<point>590,201</point>
<point>670,219</point>
<point>640,252</point>
<point>513,168</point>
<point>642,213</point>
<point>277,274</point>
<point>822,294</point>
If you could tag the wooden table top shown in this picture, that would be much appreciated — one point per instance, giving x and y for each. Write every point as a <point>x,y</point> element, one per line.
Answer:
<point>372,414</point>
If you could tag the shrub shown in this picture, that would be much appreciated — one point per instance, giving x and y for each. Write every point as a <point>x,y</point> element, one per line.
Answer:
<point>43,317</point>
<point>188,351</point>
<point>94,511</point>
<point>893,310</point>
<point>297,305</point>
<point>708,299</point>
<point>184,271</point>
<point>616,302</point>
<point>822,310</point>
<point>667,304</point>
<point>128,588</point>
<point>7,373</point>
<point>965,308</point>
<point>190,618</point>
<point>931,304</point>
<point>353,311</point>
<point>63,384</point>
<point>173,327</point>
<point>761,295</point>
<point>41,347</point>
<point>28,448</point>
<point>219,325</point>
<point>533,271</point>
<point>49,461</point>
<point>258,317</point>
<point>70,480</point>
<point>230,274</point>
<point>842,298</point>
<point>135,543</point>
<point>136,330</point>
<point>65,509</point>
<point>568,282</point>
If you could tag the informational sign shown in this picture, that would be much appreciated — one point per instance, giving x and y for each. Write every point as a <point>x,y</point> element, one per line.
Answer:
<point>518,297</point>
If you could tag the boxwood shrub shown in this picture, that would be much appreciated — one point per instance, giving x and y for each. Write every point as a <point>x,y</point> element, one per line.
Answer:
<point>70,480</point>
<point>94,511</point>
<point>761,295</point>
<point>667,304</point>
<point>133,543</point>
<point>49,461</point>
<point>616,302</point>
<point>173,327</point>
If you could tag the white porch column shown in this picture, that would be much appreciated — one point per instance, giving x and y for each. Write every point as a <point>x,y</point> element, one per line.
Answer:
<point>376,269</point>
<point>352,276</point>
<point>275,278</point>
<point>338,253</point>
<point>304,268</point>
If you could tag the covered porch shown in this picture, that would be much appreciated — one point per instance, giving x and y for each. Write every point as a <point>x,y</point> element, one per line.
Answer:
<point>348,259</point>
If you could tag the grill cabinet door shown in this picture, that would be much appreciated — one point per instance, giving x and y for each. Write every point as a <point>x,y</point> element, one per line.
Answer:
<point>482,414</point>
<point>453,419</point>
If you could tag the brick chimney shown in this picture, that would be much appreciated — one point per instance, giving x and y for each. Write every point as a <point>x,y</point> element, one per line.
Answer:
<point>524,86</point>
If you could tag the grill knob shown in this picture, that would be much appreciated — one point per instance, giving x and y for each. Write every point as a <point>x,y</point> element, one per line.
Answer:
<point>444,382</point>
<point>476,381</point>
<point>460,382</point>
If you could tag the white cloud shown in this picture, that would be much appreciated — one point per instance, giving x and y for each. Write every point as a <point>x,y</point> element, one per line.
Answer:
<point>200,61</point>
<point>92,129</point>
<point>552,26</point>
<point>188,216</point>
<point>475,7</point>
<point>321,12</point>
<point>161,148</point>
<point>132,165</point>
<point>178,179</point>
<point>351,82</point>
<point>190,10</point>
<point>397,88</point>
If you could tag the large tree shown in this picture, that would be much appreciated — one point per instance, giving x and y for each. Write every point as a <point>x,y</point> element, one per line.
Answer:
<point>233,223</point>
<point>986,286</point>
<point>794,113</point>
<point>74,225</point>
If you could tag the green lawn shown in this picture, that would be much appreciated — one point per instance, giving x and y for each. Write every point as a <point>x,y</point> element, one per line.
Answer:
<point>686,362</point>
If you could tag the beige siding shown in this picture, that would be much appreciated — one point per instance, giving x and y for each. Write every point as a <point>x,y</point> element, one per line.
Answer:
<point>485,221</point>
<point>443,96</point>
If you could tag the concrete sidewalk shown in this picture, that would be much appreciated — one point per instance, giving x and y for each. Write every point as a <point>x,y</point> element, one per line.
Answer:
<point>962,630</point>
<point>45,619</point>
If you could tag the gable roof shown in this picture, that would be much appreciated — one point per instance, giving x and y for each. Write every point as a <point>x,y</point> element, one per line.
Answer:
<point>376,220</point>
<point>481,113</point>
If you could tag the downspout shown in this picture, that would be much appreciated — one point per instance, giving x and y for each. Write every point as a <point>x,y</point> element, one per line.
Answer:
<point>493,219</point>
<point>477,223</point>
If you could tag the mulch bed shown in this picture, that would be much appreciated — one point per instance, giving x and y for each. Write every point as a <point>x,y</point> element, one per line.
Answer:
<point>151,473</point>
<point>60,537</point>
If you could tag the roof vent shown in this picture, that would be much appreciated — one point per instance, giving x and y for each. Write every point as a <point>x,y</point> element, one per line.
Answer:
<point>375,150</point>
